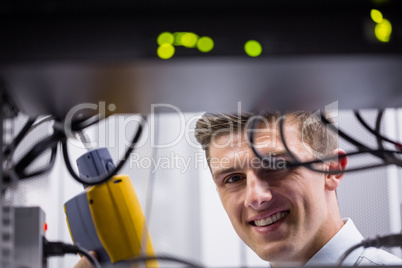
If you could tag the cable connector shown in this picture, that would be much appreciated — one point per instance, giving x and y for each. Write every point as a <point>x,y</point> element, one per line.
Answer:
<point>52,249</point>
<point>394,240</point>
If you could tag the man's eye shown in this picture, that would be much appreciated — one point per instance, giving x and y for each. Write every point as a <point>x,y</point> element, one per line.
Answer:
<point>234,179</point>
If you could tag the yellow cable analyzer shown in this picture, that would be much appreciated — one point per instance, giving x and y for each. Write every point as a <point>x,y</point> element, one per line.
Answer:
<point>107,218</point>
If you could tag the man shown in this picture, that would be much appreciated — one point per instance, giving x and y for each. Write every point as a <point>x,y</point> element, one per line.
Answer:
<point>287,214</point>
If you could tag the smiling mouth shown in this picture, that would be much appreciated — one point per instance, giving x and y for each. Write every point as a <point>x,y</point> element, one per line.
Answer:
<point>270,220</point>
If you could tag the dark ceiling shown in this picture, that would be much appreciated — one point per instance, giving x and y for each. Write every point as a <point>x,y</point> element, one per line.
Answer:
<point>57,54</point>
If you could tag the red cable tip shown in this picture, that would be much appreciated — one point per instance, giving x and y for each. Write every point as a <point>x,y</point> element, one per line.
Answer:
<point>398,146</point>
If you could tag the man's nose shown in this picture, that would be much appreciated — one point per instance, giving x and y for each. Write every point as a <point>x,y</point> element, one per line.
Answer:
<point>258,193</point>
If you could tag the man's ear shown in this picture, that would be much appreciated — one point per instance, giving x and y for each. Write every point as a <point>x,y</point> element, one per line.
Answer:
<point>332,179</point>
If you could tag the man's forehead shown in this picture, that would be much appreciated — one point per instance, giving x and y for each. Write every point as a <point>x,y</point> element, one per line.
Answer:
<point>265,136</point>
<point>242,139</point>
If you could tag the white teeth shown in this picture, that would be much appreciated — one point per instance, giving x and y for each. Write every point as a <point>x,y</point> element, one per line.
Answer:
<point>268,221</point>
<point>274,218</point>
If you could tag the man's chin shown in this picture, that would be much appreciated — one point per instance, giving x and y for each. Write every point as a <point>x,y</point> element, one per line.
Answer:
<point>285,264</point>
<point>277,253</point>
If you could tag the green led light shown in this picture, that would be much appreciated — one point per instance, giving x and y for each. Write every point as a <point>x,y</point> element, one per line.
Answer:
<point>165,38</point>
<point>165,51</point>
<point>376,16</point>
<point>189,40</point>
<point>205,44</point>
<point>253,48</point>
<point>177,38</point>
<point>383,30</point>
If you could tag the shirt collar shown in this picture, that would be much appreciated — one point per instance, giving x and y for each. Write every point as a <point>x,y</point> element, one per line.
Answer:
<point>344,239</point>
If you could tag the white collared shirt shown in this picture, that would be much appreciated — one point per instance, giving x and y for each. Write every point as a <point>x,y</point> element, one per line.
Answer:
<point>347,237</point>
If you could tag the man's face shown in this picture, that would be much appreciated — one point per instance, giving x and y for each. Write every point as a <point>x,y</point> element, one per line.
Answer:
<point>282,215</point>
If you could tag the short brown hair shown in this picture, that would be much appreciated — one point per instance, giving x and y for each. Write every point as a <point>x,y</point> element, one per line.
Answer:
<point>313,131</point>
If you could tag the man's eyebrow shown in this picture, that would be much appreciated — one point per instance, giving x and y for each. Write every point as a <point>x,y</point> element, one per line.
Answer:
<point>220,172</point>
<point>284,154</point>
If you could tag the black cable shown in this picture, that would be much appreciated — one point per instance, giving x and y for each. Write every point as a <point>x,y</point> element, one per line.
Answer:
<point>29,126</point>
<point>296,162</point>
<point>346,137</point>
<point>89,256</point>
<point>47,168</point>
<point>393,240</point>
<point>374,132</point>
<point>51,249</point>
<point>17,171</point>
<point>378,127</point>
<point>9,148</point>
<point>78,125</point>
<point>308,164</point>
<point>347,253</point>
<point>49,142</point>
<point>388,157</point>
<point>144,259</point>
<point>105,178</point>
